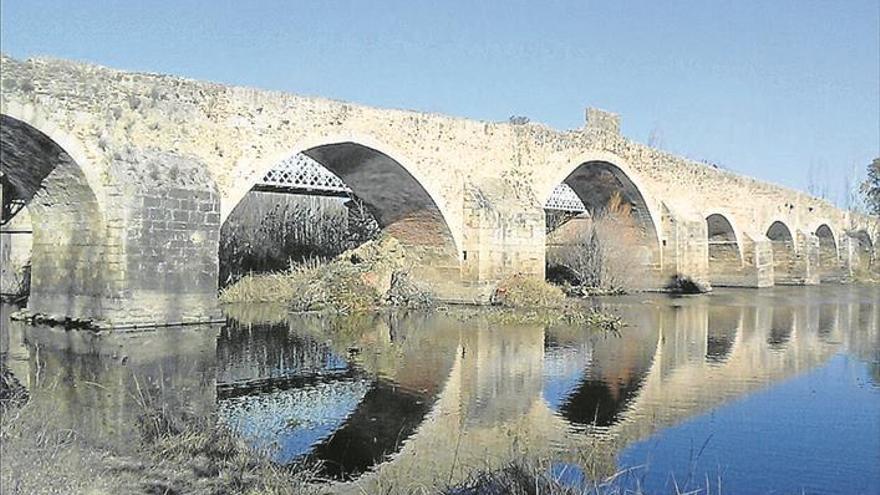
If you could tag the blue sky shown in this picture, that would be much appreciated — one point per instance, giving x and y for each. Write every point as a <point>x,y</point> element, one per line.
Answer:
<point>770,89</point>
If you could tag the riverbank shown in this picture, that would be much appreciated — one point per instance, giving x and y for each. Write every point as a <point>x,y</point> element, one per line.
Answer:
<point>376,277</point>
<point>174,456</point>
<point>178,455</point>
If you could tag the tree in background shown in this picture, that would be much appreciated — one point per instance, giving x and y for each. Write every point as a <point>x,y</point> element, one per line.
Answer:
<point>871,188</point>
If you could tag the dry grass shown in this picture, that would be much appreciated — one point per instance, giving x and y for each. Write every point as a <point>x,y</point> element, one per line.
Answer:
<point>177,455</point>
<point>520,291</point>
<point>372,275</point>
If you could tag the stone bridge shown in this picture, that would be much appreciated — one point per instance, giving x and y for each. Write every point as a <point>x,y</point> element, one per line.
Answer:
<point>129,176</point>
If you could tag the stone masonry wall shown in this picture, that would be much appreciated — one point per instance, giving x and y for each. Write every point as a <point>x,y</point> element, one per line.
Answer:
<point>235,135</point>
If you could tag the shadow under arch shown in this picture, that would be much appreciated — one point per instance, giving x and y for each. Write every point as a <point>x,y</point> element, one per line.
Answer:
<point>725,252</point>
<point>597,181</point>
<point>782,244</point>
<point>68,224</point>
<point>828,253</point>
<point>401,203</point>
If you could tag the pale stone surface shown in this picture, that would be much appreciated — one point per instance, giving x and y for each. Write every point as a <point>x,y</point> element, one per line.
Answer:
<point>470,192</point>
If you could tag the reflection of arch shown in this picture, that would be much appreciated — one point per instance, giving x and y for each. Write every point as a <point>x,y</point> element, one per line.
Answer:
<point>596,402</point>
<point>65,215</point>
<point>723,324</point>
<point>828,257</point>
<point>782,244</point>
<point>386,417</point>
<point>725,254</point>
<point>781,327</point>
<point>364,163</point>
<point>617,369</point>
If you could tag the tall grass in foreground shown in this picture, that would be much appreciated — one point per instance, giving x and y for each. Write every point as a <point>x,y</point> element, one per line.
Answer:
<point>176,455</point>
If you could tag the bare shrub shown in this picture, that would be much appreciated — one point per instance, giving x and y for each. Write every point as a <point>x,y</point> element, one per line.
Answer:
<point>606,255</point>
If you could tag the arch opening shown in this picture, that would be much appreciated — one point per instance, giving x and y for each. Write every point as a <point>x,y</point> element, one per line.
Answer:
<point>725,255</point>
<point>606,238</point>
<point>829,261</point>
<point>782,244</point>
<point>862,253</point>
<point>40,178</point>
<point>329,199</point>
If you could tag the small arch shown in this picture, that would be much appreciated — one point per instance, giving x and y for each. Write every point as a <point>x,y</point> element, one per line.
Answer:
<point>863,253</point>
<point>782,245</point>
<point>829,261</point>
<point>725,253</point>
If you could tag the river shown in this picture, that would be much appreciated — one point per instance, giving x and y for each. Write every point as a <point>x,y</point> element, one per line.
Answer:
<point>756,391</point>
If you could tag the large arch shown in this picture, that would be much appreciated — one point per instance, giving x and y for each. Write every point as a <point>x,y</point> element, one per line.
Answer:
<point>68,224</point>
<point>782,243</point>
<point>829,260</point>
<point>725,252</point>
<point>400,202</point>
<point>246,174</point>
<point>599,182</point>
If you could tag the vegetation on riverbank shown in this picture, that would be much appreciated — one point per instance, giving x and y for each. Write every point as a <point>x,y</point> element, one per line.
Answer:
<point>372,275</point>
<point>376,275</point>
<point>175,456</point>
<point>599,253</point>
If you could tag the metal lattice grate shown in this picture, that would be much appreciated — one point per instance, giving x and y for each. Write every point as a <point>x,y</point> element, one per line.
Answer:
<point>564,198</point>
<point>299,172</point>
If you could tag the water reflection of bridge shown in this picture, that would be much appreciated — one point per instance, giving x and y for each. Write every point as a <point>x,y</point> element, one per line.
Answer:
<point>439,396</point>
<point>449,396</point>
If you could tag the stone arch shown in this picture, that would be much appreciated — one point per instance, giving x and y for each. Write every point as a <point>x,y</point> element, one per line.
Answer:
<point>403,205</point>
<point>725,250</point>
<point>862,250</point>
<point>783,247</point>
<point>88,159</point>
<point>622,172</point>
<point>596,178</point>
<point>829,260</point>
<point>68,223</point>
<point>246,175</point>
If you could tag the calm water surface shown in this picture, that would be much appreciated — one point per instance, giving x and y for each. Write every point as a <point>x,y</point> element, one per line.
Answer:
<point>771,391</point>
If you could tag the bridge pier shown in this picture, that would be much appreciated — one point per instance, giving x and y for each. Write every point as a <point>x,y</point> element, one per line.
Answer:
<point>684,247</point>
<point>856,255</point>
<point>163,230</point>
<point>149,259</point>
<point>753,268</point>
<point>800,263</point>
<point>503,235</point>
